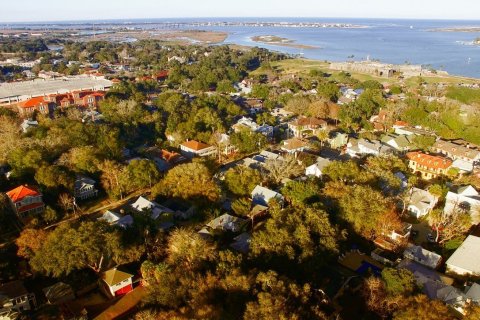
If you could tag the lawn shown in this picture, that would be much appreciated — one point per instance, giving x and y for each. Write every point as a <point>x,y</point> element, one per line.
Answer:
<point>304,66</point>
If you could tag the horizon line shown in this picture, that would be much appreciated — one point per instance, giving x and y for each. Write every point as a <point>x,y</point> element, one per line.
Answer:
<point>232,17</point>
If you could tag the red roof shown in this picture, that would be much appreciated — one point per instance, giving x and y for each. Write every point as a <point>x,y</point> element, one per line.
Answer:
<point>33,102</point>
<point>21,192</point>
<point>429,161</point>
<point>195,145</point>
<point>401,123</point>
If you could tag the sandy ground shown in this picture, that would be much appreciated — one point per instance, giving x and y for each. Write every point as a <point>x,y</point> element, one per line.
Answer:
<point>174,35</point>
<point>283,42</point>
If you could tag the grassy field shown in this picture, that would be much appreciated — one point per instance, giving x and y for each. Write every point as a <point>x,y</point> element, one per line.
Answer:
<point>304,66</point>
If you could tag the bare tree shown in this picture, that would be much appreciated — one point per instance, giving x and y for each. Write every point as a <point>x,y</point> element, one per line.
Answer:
<point>449,225</point>
<point>280,169</point>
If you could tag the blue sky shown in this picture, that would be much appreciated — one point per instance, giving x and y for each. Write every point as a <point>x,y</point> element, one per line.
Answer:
<point>55,10</point>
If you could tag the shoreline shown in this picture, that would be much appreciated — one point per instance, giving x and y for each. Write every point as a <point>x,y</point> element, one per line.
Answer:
<point>456,29</point>
<point>282,42</point>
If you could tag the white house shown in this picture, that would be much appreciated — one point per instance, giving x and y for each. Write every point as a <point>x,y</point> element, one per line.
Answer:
<point>420,202</point>
<point>363,146</point>
<point>317,168</point>
<point>143,205</point>
<point>110,217</point>
<point>262,195</point>
<point>466,259</point>
<point>422,256</point>
<point>28,124</point>
<point>117,282</point>
<point>466,199</point>
<point>194,148</point>
<point>84,188</point>
<point>247,123</point>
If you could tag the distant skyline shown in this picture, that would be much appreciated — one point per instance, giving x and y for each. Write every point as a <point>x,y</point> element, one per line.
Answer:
<point>62,10</point>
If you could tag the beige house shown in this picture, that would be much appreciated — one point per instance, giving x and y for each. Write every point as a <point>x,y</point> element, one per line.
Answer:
<point>303,126</point>
<point>428,166</point>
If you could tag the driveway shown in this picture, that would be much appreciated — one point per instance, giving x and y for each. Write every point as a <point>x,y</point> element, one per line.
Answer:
<point>423,230</point>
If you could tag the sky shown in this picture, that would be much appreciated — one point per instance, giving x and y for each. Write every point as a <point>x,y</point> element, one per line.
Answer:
<point>59,10</point>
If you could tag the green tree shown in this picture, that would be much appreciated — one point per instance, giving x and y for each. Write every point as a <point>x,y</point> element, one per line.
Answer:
<point>261,91</point>
<point>329,91</point>
<point>280,298</point>
<point>30,241</point>
<point>74,247</point>
<point>54,177</point>
<point>301,193</point>
<point>421,307</point>
<point>241,206</point>
<point>247,141</point>
<point>398,281</point>
<point>241,180</point>
<point>366,210</point>
<point>189,181</point>
<point>142,173</point>
<point>423,142</point>
<point>295,234</point>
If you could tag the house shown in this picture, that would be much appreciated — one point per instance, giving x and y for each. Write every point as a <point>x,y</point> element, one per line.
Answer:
<point>241,243</point>
<point>117,282</point>
<point>465,261</point>
<point>84,188</point>
<point>294,145</point>
<point>304,127</point>
<point>247,123</point>
<point>262,195</point>
<point>420,202</point>
<point>337,140</point>
<point>456,151</point>
<point>38,104</point>
<point>466,199</point>
<point>402,234</point>
<point>411,131</point>
<point>317,168</point>
<point>380,121</point>
<point>124,222</point>
<point>422,256</point>
<point>110,217</point>
<point>435,285</point>
<point>59,293</point>
<point>26,200</point>
<point>194,148</point>
<point>28,124</point>
<point>364,147</point>
<point>400,142</point>
<point>164,159</point>
<point>428,166</point>
<point>144,205</point>
<point>15,297</point>
<point>253,106</point>
<point>473,293</point>
<point>223,223</point>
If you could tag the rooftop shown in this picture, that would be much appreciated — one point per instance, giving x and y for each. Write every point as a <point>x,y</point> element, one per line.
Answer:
<point>466,256</point>
<point>22,192</point>
<point>195,145</point>
<point>114,276</point>
<point>429,161</point>
<point>27,89</point>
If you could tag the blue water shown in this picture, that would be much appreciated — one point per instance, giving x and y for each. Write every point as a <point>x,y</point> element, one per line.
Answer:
<point>391,41</point>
